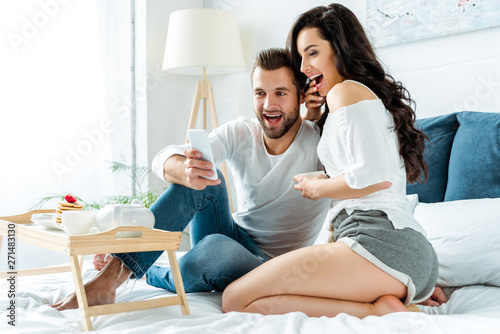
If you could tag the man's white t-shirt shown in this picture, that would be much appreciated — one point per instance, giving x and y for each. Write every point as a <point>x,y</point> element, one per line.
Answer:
<point>277,217</point>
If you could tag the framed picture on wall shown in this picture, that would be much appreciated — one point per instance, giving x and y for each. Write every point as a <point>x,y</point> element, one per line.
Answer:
<point>398,21</point>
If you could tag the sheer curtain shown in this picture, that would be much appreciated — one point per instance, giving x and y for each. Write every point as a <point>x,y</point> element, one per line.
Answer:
<point>61,116</point>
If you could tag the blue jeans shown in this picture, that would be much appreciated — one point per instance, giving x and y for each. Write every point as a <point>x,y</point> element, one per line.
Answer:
<point>220,252</point>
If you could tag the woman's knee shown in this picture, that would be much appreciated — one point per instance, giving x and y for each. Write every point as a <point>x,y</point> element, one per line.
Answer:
<point>232,299</point>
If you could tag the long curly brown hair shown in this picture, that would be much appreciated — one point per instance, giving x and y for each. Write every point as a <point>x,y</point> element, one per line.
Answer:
<point>356,60</point>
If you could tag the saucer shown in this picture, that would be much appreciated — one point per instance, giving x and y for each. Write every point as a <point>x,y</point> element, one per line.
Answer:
<point>44,219</point>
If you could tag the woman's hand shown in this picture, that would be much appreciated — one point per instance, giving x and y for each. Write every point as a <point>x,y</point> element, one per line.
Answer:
<point>313,102</point>
<point>437,298</point>
<point>309,185</point>
<point>323,186</point>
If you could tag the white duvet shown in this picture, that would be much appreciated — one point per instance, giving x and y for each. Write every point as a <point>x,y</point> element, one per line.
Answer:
<point>472,309</point>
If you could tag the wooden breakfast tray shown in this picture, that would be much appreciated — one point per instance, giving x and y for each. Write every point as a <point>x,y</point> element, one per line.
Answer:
<point>104,242</point>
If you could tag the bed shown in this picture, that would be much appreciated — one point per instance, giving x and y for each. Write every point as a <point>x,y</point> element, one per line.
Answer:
<point>471,309</point>
<point>459,208</point>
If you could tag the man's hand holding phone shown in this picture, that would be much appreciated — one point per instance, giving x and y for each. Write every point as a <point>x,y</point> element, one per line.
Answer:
<point>199,166</point>
<point>198,170</point>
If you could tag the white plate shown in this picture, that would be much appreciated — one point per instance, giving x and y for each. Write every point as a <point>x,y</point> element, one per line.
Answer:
<point>44,219</point>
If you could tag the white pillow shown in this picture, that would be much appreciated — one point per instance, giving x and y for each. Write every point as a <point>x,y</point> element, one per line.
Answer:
<point>466,237</point>
<point>412,201</point>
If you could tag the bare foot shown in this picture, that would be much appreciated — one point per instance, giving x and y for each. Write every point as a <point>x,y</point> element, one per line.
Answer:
<point>102,289</point>
<point>94,297</point>
<point>388,304</point>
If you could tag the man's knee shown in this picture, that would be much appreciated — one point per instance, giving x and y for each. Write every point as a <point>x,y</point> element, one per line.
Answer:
<point>216,245</point>
<point>204,260</point>
<point>227,255</point>
<point>216,252</point>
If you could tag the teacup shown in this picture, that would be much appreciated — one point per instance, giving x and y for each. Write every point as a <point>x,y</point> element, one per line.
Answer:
<point>312,174</point>
<point>78,222</point>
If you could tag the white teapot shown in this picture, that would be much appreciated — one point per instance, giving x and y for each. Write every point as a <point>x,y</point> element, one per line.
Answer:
<point>115,215</point>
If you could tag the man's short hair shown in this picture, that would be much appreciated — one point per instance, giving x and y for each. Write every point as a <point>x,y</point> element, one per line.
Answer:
<point>275,58</point>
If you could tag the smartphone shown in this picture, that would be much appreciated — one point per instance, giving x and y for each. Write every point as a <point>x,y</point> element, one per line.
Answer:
<point>198,140</point>
<point>308,85</point>
<point>308,81</point>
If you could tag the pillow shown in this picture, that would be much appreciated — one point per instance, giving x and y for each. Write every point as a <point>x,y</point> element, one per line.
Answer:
<point>474,170</point>
<point>466,237</point>
<point>441,131</point>
<point>412,201</point>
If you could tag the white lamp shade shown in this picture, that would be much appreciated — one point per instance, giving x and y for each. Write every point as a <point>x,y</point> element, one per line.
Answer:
<point>202,37</point>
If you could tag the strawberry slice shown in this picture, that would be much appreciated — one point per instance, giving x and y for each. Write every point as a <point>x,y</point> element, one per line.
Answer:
<point>70,198</point>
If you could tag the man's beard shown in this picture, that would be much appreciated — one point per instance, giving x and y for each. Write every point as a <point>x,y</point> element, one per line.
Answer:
<point>286,124</point>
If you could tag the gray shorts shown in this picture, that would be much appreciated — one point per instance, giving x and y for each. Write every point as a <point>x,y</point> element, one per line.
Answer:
<point>404,254</point>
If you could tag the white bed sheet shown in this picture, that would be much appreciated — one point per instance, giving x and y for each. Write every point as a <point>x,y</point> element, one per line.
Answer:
<point>473,309</point>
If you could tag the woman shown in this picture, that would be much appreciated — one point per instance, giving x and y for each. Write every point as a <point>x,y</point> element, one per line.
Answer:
<point>381,260</point>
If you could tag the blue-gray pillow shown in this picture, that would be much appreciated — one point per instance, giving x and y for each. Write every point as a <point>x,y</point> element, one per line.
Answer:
<point>441,132</point>
<point>474,170</point>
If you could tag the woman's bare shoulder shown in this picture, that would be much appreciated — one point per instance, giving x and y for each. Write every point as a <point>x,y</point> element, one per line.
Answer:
<point>347,93</point>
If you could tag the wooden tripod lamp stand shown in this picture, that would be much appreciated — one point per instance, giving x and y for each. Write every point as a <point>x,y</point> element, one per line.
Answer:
<point>203,92</point>
<point>204,41</point>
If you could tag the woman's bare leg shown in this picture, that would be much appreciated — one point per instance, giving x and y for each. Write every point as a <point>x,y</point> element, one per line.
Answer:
<point>318,280</point>
<point>319,306</point>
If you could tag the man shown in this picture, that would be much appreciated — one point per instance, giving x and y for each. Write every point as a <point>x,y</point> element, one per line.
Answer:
<point>263,154</point>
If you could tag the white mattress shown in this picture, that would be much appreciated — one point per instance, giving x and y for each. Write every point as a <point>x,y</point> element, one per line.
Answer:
<point>472,309</point>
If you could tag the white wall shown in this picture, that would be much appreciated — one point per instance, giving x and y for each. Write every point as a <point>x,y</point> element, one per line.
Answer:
<point>448,74</point>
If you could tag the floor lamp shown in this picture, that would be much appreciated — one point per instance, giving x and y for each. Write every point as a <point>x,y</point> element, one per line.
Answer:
<point>203,41</point>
